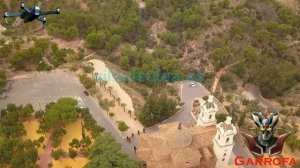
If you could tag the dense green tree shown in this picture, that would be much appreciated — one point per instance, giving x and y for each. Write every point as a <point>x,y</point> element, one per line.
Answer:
<point>75,143</point>
<point>175,21</point>
<point>26,111</point>
<point>57,136</point>
<point>11,125</point>
<point>72,153</point>
<point>59,114</point>
<point>87,82</point>
<point>106,153</point>
<point>156,109</point>
<point>221,117</point>
<point>122,126</point>
<point>85,142</point>
<point>3,80</point>
<point>171,38</point>
<point>96,40</point>
<point>56,154</point>
<point>16,152</point>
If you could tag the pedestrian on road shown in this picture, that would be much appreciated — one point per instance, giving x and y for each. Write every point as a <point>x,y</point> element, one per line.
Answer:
<point>144,130</point>
<point>127,138</point>
<point>134,147</point>
<point>132,135</point>
<point>138,132</point>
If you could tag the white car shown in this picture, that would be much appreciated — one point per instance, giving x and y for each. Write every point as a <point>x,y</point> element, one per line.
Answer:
<point>192,84</point>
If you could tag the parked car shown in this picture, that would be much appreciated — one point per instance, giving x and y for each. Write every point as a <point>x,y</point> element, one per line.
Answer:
<point>192,84</point>
<point>86,93</point>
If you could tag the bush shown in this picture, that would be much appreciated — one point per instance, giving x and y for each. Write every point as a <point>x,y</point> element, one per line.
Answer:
<point>221,117</point>
<point>72,153</point>
<point>88,69</point>
<point>87,81</point>
<point>56,154</point>
<point>171,38</point>
<point>43,67</point>
<point>156,109</point>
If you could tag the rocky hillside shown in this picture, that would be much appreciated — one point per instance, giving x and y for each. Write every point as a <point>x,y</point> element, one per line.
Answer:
<point>161,41</point>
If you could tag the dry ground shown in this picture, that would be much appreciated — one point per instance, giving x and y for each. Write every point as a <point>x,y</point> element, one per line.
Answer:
<point>74,130</point>
<point>31,127</point>
<point>71,163</point>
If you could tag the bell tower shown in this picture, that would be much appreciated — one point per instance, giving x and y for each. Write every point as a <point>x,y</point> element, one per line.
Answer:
<point>223,142</point>
<point>208,110</point>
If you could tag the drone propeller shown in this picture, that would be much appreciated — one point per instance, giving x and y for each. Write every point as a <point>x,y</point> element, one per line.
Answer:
<point>5,15</point>
<point>22,5</point>
<point>58,10</point>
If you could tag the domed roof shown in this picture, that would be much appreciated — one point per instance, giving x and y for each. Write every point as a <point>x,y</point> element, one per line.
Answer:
<point>179,138</point>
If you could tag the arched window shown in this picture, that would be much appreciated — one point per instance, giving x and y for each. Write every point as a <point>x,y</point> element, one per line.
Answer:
<point>227,140</point>
<point>209,116</point>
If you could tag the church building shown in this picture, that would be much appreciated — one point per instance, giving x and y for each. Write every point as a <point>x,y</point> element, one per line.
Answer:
<point>176,145</point>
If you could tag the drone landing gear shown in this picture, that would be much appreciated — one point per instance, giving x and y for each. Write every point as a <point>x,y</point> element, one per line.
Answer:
<point>43,20</point>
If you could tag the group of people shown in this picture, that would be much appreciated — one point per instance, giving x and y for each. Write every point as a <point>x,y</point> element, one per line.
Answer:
<point>128,139</point>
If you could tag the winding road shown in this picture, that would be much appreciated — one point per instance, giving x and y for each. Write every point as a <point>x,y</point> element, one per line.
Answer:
<point>34,88</point>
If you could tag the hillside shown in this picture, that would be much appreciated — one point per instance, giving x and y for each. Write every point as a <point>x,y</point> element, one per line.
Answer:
<point>155,37</point>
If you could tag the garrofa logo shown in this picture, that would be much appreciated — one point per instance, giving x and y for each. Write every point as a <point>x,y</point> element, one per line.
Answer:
<point>265,142</point>
<point>241,161</point>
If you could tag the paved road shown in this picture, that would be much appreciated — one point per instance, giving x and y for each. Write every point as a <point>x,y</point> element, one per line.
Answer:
<point>42,88</point>
<point>188,95</point>
<point>253,92</point>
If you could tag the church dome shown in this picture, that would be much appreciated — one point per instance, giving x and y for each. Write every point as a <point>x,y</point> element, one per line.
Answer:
<point>179,138</point>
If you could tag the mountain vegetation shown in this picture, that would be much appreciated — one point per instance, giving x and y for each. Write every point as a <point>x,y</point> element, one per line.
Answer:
<point>156,109</point>
<point>259,36</point>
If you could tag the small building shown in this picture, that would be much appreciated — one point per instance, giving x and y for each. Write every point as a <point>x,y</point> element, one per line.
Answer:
<point>208,110</point>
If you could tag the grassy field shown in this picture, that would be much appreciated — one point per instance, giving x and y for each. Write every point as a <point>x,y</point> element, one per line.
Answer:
<point>74,130</point>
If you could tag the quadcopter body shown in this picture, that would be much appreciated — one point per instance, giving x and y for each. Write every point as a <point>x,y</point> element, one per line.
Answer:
<point>31,14</point>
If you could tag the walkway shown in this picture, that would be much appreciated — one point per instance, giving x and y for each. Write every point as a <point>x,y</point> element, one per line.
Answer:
<point>45,158</point>
<point>219,75</point>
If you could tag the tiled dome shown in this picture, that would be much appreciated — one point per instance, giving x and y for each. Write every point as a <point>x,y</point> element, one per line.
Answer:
<point>179,138</point>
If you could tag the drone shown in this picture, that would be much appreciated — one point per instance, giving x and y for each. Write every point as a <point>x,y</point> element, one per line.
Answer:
<point>30,14</point>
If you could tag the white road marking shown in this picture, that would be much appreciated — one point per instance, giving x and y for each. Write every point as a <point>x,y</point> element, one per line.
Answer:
<point>54,78</point>
<point>68,78</point>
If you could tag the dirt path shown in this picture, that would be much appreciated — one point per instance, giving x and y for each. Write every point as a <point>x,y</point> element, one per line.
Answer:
<point>74,44</point>
<point>157,28</point>
<point>45,158</point>
<point>294,43</point>
<point>219,75</point>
